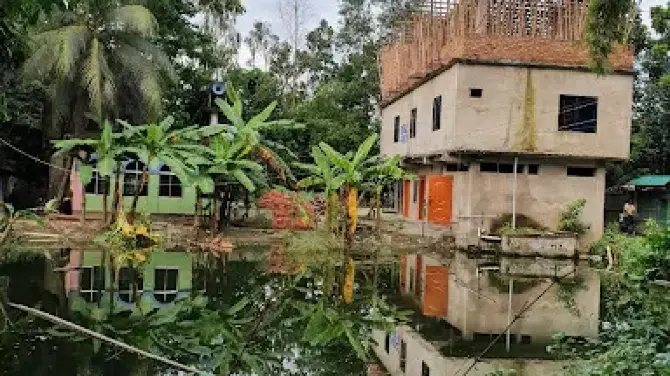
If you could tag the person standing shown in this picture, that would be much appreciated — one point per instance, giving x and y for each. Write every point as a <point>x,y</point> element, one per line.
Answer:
<point>629,213</point>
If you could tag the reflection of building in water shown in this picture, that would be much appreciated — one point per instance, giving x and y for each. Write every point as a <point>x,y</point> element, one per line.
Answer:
<point>464,303</point>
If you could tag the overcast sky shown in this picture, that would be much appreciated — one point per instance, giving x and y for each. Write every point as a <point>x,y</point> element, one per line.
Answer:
<point>268,11</point>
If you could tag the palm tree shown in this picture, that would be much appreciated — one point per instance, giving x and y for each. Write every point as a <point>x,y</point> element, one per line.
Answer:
<point>94,55</point>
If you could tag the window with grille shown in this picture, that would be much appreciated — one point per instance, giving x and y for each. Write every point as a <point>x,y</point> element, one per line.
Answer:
<point>578,114</point>
<point>132,178</point>
<point>583,172</point>
<point>128,276</point>
<point>169,184</point>
<point>99,185</point>
<point>396,129</point>
<point>165,284</point>
<point>437,113</point>
<point>92,283</point>
<point>412,123</point>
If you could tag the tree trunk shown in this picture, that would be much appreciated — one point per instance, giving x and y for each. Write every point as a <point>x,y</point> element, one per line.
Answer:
<point>138,190</point>
<point>118,198</point>
<point>198,208</point>
<point>105,201</point>
<point>64,180</point>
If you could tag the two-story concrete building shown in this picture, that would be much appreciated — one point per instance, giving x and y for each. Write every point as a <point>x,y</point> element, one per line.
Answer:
<point>492,104</point>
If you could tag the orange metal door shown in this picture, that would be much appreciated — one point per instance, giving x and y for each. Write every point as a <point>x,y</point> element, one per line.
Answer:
<point>422,196</point>
<point>436,291</point>
<point>403,273</point>
<point>440,190</point>
<point>405,198</point>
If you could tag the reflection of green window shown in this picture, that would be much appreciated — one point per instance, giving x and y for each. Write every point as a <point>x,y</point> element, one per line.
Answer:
<point>126,278</point>
<point>411,279</point>
<point>92,283</point>
<point>132,178</point>
<point>165,284</point>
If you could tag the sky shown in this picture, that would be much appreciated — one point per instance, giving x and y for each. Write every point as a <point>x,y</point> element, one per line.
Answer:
<point>268,11</point>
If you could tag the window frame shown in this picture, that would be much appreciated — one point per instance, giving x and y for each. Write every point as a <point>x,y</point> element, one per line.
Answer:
<point>437,113</point>
<point>126,295</point>
<point>168,179</point>
<point>92,293</point>
<point>168,296</point>
<point>396,129</point>
<point>573,116</point>
<point>136,174</point>
<point>97,181</point>
<point>413,114</point>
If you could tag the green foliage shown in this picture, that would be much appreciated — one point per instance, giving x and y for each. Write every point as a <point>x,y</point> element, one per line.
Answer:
<point>567,288</point>
<point>607,24</point>
<point>570,220</point>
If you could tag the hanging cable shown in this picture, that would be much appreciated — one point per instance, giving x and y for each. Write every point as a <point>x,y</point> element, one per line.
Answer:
<point>6,143</point>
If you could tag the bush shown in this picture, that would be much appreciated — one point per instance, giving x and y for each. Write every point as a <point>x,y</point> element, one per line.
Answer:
<point>571,218</point>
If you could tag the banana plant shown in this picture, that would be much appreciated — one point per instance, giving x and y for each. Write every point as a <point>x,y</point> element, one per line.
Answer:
<point>249,132</point>
<point>381,174</point>
<point>108,148</point>
<point>324,176</point>
<point>179,149</point>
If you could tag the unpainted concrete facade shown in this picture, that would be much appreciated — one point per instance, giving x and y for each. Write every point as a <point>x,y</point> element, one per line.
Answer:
<point>493,122</point>
<point>420,352</point>
<point>478,198</point>
<point>475,305</point>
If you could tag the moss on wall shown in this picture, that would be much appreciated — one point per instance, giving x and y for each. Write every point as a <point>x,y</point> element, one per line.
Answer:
<point>526,138</point>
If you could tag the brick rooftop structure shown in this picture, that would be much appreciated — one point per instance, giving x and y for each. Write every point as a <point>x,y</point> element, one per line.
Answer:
<point>526,32</point>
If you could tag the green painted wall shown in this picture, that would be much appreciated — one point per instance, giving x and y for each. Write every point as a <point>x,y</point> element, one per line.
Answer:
<point>151,203</point>
<point>179,260</point>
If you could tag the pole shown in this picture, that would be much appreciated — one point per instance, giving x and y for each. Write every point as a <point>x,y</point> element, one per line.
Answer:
<point>516,164</point>
<point>509,313</point>
<point>91,333</point>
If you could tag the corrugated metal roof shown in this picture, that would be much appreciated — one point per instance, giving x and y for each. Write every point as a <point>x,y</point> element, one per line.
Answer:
<point>650,181</point>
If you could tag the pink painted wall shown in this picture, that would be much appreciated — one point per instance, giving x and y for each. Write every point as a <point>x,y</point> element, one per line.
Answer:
<point>72,275</point>
<point>77,189</point>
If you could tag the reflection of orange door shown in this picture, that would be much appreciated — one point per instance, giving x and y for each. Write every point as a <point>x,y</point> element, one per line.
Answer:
<point>422,196</point>
<point>405,198</point>
<point>436,291</point>
<point>440,189</point>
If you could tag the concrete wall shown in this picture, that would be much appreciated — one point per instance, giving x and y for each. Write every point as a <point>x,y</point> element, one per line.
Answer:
<point>478,306</point>
<point>479,197</point>
<point>420,351</point>
<point>492,123</point>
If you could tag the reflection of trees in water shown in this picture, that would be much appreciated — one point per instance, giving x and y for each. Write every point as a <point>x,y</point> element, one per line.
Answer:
<point>250,322</point>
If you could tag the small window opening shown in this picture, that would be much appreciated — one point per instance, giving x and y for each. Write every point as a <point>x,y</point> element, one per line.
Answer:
<point>99,185</point>
<point>476,93</point>
<point>584,172</point>
<point>387,343</point>
<point>488,167</point>
<point>425,370</point>
<point>128,277</point>
<point>437,113</point>
<point>403,355</point>
<point>396,129</point>
<point>456,167</point>
<point>526,340</point>
<point>412,123</point>
<point>533,169</point>
<point>415,191</point>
